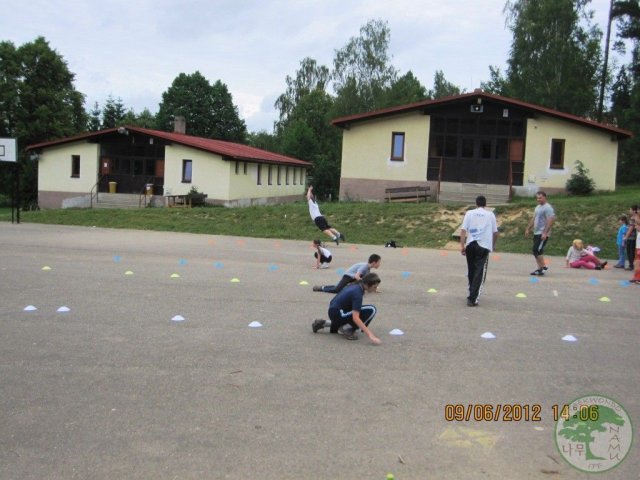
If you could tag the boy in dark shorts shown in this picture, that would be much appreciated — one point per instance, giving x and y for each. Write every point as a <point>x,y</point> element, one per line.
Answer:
<point>319,220</point>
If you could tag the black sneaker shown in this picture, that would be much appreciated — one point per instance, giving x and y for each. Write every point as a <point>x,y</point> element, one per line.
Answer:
<point>317,288</point>
<point>604,264</point>
<point>342,237</point>
<point>538,273</point>
<point>352,336</point>
<point>471,303</point>
<point>545,268</point>
<point>318,324</point>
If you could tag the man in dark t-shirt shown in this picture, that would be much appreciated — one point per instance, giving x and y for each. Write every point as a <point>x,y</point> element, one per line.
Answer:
<point>346,308</point>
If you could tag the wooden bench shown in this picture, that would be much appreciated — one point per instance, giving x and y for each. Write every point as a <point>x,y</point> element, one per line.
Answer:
<point>407,194</point>
<point>174,201</point>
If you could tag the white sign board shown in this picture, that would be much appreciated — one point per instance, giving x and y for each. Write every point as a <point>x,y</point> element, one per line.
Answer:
<point>7,149</point>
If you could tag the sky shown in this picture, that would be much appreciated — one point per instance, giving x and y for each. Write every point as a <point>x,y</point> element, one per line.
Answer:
<point>134,49</point>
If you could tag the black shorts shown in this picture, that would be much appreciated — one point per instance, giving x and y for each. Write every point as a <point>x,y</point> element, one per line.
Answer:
<point>321,223</point>
<point>323,259</point>
<point>538,245</point>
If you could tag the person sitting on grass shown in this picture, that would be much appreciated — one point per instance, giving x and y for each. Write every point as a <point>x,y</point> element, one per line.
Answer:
<point>347,314</point>
<point>578,256</point>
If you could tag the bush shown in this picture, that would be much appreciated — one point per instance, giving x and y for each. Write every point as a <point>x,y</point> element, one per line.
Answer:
<point>580,183</point>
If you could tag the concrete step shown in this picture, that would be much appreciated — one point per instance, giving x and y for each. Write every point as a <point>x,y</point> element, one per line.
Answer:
<point>466,193</point>
<point>117,200</point>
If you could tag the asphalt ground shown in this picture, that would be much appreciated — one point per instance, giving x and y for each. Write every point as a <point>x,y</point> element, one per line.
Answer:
<point>116,389</point>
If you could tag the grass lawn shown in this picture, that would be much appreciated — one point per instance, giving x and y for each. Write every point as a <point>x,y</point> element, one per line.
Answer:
<point>428,225</point>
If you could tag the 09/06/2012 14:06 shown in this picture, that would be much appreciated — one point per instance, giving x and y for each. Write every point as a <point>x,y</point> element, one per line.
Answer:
<point>515,412</point>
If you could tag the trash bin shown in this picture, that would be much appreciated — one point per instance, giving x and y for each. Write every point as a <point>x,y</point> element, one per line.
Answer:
<point>112,187</point>
<point>149,189</point>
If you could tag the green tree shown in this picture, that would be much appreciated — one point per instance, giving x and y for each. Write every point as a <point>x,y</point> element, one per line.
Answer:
<point>442,87</point>
<point>497,83</point>
<point>555,57</point>
<point>113,113</point>
<point>580,431</point>
<point>406,89</point>
<point>362,68</point>
<point>208,109</point>
<point>145,119</point>
<point>308,134</point>
<point>309,77</point>
<point>38,102</point>
<point>94,122</point>
<point>625,96</point>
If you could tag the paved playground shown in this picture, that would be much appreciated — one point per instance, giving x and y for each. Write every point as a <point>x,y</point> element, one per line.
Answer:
<point>129,355</point>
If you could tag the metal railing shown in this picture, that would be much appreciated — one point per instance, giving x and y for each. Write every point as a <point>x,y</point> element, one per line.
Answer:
<point>97,189</point>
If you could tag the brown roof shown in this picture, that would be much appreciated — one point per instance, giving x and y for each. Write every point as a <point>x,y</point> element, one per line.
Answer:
<point>228,150</point>
<point>426,105</point>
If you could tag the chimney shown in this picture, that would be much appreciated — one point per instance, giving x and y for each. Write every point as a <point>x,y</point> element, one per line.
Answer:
<point>179,125</point>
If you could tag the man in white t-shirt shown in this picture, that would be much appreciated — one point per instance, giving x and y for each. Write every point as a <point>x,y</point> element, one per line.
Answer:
<point>477,239</point>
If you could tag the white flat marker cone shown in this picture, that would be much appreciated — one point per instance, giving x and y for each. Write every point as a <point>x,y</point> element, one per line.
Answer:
<point>488,335</point>
<point>178,318</point>
<point>569,338</point>
<point>64,309</point>
<point>29,308</point>
<point>255,324</point>
<point>46,268</point>
<point>396,331</point>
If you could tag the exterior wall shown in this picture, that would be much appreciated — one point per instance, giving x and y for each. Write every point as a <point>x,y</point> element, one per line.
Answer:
<point>210,174</point>
<point>55,183</point>
<point>367,168</point>
<point>245,186</point>
<point>594,148</point>
<point>217,178</point>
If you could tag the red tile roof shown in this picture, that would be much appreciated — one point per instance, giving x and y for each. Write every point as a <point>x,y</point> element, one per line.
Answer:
<point>228,150</point>
<point>426,105</point>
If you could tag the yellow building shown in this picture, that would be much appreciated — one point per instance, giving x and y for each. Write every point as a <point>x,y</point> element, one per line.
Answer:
<point>77,171</point>
<point>475,141</point>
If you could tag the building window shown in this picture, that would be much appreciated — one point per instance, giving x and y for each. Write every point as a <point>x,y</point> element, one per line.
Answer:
<point>397,146</point>
<point>186,171</point>
<point>75,166</point>
<point>259,169</point>
<point>237,167</point>
<point>279,176</point>
<point>245,168</point>
<point>286,175</point>
<point>302,172</point>
<point>270,180</point>
<point>295,172</point>
<point>557,153</point>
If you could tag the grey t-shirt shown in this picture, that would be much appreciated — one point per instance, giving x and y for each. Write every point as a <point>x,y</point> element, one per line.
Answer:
<point>541,215</point>
<point>361,268</point>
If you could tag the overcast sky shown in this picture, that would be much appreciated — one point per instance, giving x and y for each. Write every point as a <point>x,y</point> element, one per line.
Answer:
<point>134,49</point>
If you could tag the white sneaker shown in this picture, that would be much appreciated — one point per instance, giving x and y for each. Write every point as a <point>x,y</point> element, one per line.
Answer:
<point>324,265</point>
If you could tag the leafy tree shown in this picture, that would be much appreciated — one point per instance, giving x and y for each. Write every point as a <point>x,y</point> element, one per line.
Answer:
<point>442,88</point>
<point>626,91</point>
<point>555,54</point>
<point>208,109</point>
<point>145,119</point>
<point>308,134</point>
<point>406,89</point>
<point>113,113</point>
<point>94,123</point>
<point>264,140</point>
<point>38,102</point>
<point>309,77</point>
<point>497,83</point>
<point>362,67</point>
